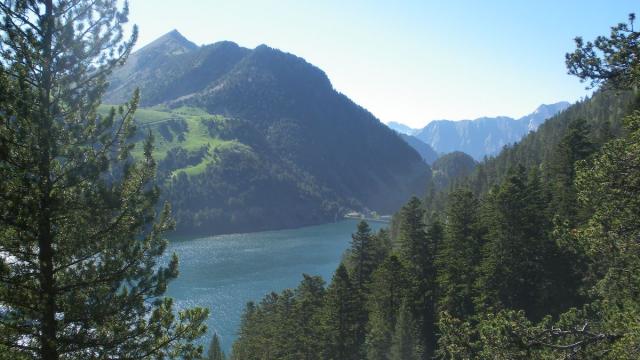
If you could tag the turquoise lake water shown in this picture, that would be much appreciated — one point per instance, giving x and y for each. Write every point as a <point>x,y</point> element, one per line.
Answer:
<point>224,272</point>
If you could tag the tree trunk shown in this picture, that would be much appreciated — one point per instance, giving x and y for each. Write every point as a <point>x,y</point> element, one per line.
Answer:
<point>48,343</point>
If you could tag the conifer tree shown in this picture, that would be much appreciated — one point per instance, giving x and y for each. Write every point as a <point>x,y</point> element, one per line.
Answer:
<point>513,267</point>
<point>613,62</point>
<point>388,289</point>
<point>79,233</point>
<point>247,332</point>
<point>268,329</point>
<point>459,255</point>
<point>307,317</point>
<point>417,249</point>
<point>609,185</point>
<point>411,231</point>
<point>284,327</point>
<point>340,319</point>
<point>362,256</point>
<point>574,146</point>
<point>383,246</point>
<point>405,344</point>
<point>215,351</point>
<point>362,260</point>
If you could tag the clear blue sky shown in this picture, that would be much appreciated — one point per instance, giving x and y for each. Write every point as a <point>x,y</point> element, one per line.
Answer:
<point>410,61</point>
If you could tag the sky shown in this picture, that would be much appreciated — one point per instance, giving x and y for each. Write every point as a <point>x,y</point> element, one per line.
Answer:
<point>409,61</point>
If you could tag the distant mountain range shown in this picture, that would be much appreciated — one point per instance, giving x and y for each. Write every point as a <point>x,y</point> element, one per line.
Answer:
<point>254,139</point>
<point>401,128</point>
<point>406,133</point>
<point>481,137</point>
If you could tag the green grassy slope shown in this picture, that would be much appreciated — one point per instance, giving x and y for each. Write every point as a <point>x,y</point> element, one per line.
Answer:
<point>186,128</point>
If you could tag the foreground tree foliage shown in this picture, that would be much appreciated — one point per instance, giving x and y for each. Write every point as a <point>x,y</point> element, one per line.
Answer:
<point>612,62</point>
<point>80,238</point>
<point>535,255</point>
<point>607,185</point>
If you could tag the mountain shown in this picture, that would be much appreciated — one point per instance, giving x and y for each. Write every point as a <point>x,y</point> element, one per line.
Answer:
<point>254,139</point>
<point>406,133</point>
<point>452,167</point>
<point>426,152</point>
<point>171,67</point>
<point>542,114</point>
<point>484,136</point>
<point>401,128</point>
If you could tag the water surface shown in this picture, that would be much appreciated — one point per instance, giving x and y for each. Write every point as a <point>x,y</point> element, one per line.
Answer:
<point>224,272</point>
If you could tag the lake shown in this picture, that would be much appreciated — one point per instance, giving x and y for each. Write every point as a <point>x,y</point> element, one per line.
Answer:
<point>224,272</point>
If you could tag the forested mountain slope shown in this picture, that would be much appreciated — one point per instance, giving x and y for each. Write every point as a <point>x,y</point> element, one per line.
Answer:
<point>293,150</point>
<point>451,168</point>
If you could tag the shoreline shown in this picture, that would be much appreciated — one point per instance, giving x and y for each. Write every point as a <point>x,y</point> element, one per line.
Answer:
<point>384,221</point>
<point>188,237</point>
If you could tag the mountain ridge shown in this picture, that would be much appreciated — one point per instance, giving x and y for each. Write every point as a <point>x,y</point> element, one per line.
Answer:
<point>401,128</point>
<point>483,136</point>
<point>279,148</point>
<point>426,152</point>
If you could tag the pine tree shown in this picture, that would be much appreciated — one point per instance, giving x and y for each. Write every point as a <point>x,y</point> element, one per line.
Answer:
<point>79,276</point>
<point>609,185</point>
<point>362,260</point>
<point>411,231</point>
<point>362,256</point>
<point>459,255</point>
<point>405,345</point>
<point>215,351</point>
<point>307,317</point>
<point>389,287</point>
<point>266,329</point>
<point>418,249</point>
<point>512,273</point>
<point>612,62</point>
<point>383,246</point>
<point>283,328</point>
<point>574,146</point>
<point>248,331</point>
<point>340,319</point>
<point>559,280</point>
